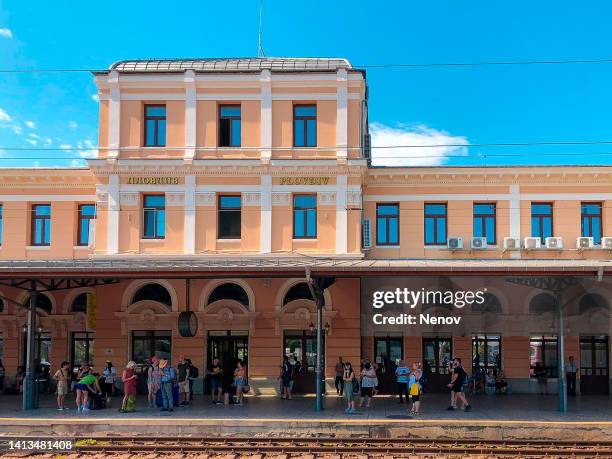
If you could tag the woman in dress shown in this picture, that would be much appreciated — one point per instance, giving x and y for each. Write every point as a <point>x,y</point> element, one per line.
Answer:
<point>129,388</point>
<point>348,377</point>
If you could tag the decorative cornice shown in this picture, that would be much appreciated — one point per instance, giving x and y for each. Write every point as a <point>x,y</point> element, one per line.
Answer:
<point>128,199</point>
<point>326,197</point>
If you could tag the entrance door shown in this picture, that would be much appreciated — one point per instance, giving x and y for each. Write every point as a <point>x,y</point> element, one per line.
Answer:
<point>594,371</point>
<point>301,348</point>
<point>437,354</point>
<point>387,352</point>
<point>228,347</point>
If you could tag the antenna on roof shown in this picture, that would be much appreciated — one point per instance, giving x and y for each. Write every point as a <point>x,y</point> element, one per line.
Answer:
<point>260,51</point>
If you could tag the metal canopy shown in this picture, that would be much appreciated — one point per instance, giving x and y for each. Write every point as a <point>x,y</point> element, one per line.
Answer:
<point>84,270</point>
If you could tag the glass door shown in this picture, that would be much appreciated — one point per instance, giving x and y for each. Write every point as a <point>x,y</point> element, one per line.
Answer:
<point>228,347</point>
<point>594,370</point>
<point>301,348</point>
<point>437,354</point>
<point>387,353</point>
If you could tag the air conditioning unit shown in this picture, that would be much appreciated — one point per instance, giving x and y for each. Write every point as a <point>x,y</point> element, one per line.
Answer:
<point>512,243</point>
<point>478,243</point>
<point>531,243</point>
<point>553,243</point>
<point>454,243</point>
<point>584,243</point>
<point>366,233</point>
<point>606,243</point>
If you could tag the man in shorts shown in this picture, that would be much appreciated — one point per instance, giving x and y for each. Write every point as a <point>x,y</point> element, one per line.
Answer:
<point>458,379</point>
<point>215,376</point>
<point>183,382</point>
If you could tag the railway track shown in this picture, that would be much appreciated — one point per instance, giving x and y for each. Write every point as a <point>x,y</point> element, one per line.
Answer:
<point>343,446</point>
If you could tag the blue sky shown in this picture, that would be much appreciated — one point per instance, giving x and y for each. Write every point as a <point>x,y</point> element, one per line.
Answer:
<point>472,105</point>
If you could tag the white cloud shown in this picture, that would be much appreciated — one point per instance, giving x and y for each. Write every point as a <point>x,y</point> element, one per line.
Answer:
<point>7,33</point>
<point>75,163</point>
<point>16,129</point>
<point>72,124</point>
<point>87,149</point>
<point>30,124</point>
<point>36,163</point>
<point>95,98</point>
<point>408,139</point>
<point>4,116</point>
<point>34,136</point>
<point>32,142</point>
<point>47,140</point>
<point>66,147</point>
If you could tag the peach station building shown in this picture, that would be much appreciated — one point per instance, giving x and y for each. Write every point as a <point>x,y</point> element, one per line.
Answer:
<point>221,185</point>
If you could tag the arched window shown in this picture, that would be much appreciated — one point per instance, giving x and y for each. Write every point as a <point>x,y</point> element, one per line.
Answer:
<point>229,291</point>
<point>490,304</point>
<point>592,301</point>
<point>42,302</point>
<point>153,292</point>
<point>299,291</point>
<point>80,303</point>
<point>541,303</point>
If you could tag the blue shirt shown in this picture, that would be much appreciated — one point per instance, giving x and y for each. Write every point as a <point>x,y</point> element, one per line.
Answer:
<point>402,374</point>
<point>169,375</point>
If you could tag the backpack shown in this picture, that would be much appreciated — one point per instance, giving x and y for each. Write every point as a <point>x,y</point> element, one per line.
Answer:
<point>414,389</point>
<point>193,372</point>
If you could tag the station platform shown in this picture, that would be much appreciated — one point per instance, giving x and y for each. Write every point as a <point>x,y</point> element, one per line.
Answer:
<point>492,418</point>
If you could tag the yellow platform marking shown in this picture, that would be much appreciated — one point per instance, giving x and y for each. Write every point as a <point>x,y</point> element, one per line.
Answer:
<point>246,421</point>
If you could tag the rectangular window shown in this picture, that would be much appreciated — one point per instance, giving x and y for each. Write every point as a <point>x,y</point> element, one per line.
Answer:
<point>87,212</point>
<point>229,126</point>
<point>435,224</point>
<point>229,219</point>
<point>305,125</point>
<point>304,216</point>
<point>486,351</point>
<point>541,220</point>
<point>1,208</point>
<point>81,349</point>
<point>154,216</point>
<point>543,351</point>
<point>147,343</point>
<point>155,125</point>
<point>387,224</point>
<point>484,221</point>
<point>41,224</point>
<point>591,223</point>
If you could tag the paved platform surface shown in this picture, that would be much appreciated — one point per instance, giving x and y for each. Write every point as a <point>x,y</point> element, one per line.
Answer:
<point>509,408</point>
<point>493,418</point>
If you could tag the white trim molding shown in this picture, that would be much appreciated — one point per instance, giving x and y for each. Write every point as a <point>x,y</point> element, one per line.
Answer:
<point>266,115</point>
<point>341,214</point>
<point>189,230</point>
<point>112,245</point>
<point>190,115</point>
<point>265,231</point>
<point>114,115</point>
<point>342,115</point>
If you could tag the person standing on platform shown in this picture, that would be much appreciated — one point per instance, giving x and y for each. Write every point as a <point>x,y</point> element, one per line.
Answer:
<point>130,379</point>
<point>286,377</point>
<point>368,382</point>
<point>541,375</point>
<point>153,383</point>
<point>458,379</point>
<point>348,377</point>
<point>401,373</point>
<point>215,376</point>
<point>415,389</point>
<point>570,372</point>
<point>183,381</point>
<point>109,375</point>
<point>239,381</point>
<point>167,377</point>
<point>339,381</point>
<point>62,377</point>
<point>2,375</point>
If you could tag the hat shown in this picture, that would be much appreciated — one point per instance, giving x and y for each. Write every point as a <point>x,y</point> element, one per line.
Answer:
<point>131,364</point>
<point>163,363</point>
